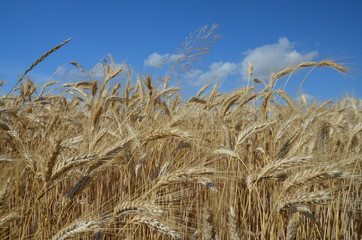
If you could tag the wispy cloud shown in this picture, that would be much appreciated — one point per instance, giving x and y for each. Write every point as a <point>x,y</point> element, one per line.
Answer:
<point>271,58</point>
<point>218,73</point>
<point>159,60</point>
<point>74,74</point>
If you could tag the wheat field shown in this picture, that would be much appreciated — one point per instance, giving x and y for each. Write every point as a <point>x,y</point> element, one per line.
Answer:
<point>134,160</point>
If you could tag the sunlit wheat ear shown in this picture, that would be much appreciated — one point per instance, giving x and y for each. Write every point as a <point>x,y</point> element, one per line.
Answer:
<point>297,201</point>
<point>311,176</point>
<point>251,130</point>
<point>44,87</point>
<point>233,99</point>
<point>275,170</point>
<point>288,70</point>
<point>138,207</point>
<point>191,174</point>
<point>226,152</point>
<point>158,226</point>
<point>71,163</point>
<point>78,227</point>
<point>77,65</point>
<point>51,161</point>
<point>202,90</point>
<point>287,99</point>
<point>250,69</point>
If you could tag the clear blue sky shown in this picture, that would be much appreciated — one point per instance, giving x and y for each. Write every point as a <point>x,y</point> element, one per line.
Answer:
<point>270,34</point>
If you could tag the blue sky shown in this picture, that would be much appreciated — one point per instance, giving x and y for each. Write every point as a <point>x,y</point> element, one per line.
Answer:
<point>144,34</point>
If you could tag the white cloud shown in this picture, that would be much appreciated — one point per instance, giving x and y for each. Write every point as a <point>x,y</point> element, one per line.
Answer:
<point>273,58</point>
<point>265,59</point>
<point>158,60</point>
<point>70,74</point>
<point>218,72</point>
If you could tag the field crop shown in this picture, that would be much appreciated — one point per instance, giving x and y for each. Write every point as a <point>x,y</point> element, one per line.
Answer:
<point>134,160</point>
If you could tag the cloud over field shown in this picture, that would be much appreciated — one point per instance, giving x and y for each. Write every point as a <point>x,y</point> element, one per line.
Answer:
<point>158,60</point>
<point>271,58</point>
<point>218,72</point>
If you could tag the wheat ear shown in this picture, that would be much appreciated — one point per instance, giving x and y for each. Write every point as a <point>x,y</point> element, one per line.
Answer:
<point>159,226</point>
<point>312,175</point>
<point>274,170</point>
<point>300,198</point>
<point>138,207</point>
<point>78,227</point>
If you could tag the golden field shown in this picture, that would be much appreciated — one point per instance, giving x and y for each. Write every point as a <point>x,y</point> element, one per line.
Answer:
<point>134,160</point>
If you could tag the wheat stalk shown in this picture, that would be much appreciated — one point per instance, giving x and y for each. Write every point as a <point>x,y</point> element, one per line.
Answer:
<point>232,225</point>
